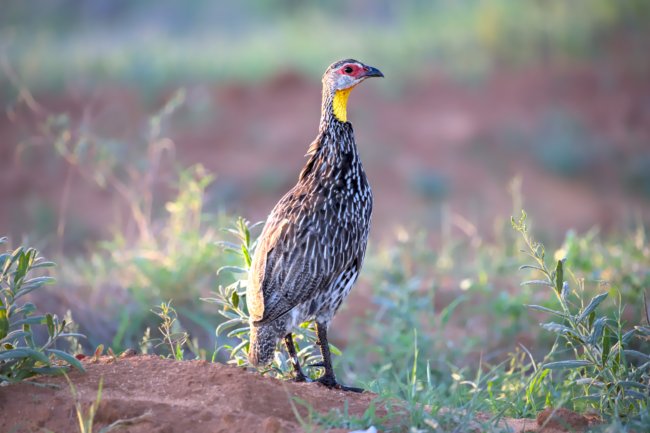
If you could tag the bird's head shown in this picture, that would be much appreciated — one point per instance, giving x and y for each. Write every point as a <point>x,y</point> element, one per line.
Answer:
<point>339,80</point>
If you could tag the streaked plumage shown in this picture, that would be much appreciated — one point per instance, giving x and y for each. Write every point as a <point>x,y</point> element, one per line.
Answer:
<point>313,243</point>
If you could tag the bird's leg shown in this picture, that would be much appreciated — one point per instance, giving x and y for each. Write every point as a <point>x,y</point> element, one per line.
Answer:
<point>291,349</point>
<point>328,378</point>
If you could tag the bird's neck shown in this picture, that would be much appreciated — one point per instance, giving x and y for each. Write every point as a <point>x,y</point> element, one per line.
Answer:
<point>335,140</point>
<point>335,107</point>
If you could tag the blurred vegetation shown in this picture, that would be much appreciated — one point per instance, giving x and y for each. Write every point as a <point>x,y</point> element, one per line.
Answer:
<point>151,44</point>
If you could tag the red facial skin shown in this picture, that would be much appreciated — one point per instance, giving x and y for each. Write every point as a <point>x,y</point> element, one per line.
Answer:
<point>356,72</point>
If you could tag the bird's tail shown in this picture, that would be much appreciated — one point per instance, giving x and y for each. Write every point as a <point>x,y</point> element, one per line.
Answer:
<point>263,340</point>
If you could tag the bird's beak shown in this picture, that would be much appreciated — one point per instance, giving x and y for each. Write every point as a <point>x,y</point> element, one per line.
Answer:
<point>369,71</point>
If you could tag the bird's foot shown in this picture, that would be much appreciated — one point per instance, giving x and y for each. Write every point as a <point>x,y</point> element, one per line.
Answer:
<point>331,383</point>
<point>300,377</point>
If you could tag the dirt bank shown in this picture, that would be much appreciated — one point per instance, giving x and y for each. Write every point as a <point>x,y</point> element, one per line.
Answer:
<point>165,396</point>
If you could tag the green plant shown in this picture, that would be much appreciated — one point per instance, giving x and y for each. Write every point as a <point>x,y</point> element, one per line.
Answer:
<point>173,336</point>
<point>21,355</point>
<point>231,299</point>
<point>597,364</point>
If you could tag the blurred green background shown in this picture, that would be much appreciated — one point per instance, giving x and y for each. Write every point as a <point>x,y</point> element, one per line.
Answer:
<point>132,132</point>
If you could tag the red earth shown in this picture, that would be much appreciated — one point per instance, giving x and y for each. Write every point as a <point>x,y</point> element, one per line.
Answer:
<point>149,394</point>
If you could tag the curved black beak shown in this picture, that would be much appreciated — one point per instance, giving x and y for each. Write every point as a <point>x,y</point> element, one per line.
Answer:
<point>369,71</point>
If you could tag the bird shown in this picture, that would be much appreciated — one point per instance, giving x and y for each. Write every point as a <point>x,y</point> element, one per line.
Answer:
<point>313,243</point>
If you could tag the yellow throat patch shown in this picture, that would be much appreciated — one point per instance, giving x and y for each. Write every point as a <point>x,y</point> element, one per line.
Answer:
<point>340,104</point>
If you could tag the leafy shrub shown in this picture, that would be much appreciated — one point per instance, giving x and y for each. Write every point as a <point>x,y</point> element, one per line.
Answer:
<point>21,356</point>
<point>597,363</point>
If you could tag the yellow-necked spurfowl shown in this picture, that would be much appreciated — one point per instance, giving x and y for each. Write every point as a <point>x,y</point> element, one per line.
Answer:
<point>313,243</point>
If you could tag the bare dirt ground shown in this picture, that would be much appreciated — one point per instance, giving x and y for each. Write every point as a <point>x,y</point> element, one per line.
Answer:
<point>165,396</point>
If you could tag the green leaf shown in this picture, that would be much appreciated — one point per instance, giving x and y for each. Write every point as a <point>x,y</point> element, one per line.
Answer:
<point>233,269</point>
<point>33,284</point>
<point>627,384</point>
<point>557,328</point>
<point>24,352</point>
<point>235,299</point>
<point>63,356</point>
<point>597,331</point>
<point>14,256</point>
<point>13,335</point>
<point>536,268</point>
<point>559,277</point>
<point>31,320</point>
<point>24,261</point>
<point>566,364</point>
<point>50,324</point>
<point>589,381</point>
<point>636,395</point>
<point>247,257</point>
<point>607,345</point>
<point>637,354</point>
<point>537,283</point>
<point>595,302</point>
<point>230,245</point>
<point>628,336</point>
<point>242,331</point>
<point>446,313</point>
<point>546,310</point>
<point>4,321</point>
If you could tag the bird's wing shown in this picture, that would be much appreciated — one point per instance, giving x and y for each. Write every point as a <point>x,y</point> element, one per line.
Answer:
<point>291,261</point>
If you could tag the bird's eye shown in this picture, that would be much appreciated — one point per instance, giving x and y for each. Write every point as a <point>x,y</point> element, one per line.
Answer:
<point>348,70</point>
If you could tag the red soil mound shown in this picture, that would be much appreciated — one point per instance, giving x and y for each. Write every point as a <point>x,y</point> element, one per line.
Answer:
<point>166,396</point>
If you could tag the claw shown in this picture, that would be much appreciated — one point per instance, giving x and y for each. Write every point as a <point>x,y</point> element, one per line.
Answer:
<point>300,378</point>
<point>331,383</point>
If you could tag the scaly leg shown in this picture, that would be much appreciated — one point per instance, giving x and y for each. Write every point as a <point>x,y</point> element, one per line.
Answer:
<point>328,378</point>
<point>299,375</point>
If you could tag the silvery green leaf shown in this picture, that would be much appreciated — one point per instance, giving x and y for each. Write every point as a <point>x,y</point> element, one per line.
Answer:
<point>636,354</point>
<point>565,290</point>
<point>595,301</point>
<point>636,395</point>
<point>628,336</point>
<point>536,283</point>
<point>232,269</point>
<point>557,328</point>
<point>599,324</point>
<point>546,310</point>
<point>566,364</point>
<point>589,381</point>
<point>536,268</point>
<point>631,384</point>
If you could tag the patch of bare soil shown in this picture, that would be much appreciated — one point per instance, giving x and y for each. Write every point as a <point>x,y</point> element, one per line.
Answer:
<point>166,396</point>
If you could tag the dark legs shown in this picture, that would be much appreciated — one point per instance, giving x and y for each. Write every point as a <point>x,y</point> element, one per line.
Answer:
<point>328,378</point>
<point>300,376</point>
